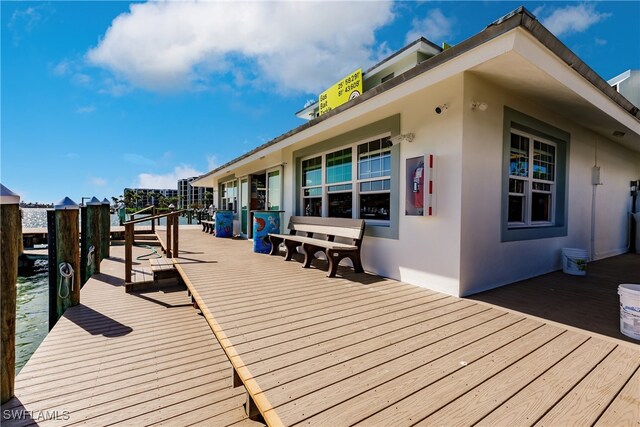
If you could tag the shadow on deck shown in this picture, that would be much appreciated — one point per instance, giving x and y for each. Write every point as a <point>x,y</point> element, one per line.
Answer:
<point>588,302</point>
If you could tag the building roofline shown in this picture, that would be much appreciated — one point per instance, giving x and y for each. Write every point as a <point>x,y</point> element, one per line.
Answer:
<point>519,18</point>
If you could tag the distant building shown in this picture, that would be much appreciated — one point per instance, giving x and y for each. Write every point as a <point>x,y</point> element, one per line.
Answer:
<point>189,196</point>
<point>150,196</point>
<point>628,85</point>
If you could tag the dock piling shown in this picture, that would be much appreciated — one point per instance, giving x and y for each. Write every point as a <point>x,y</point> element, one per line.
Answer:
<point>64,259</point>
<point>91,245</point>
<point>10,235</point>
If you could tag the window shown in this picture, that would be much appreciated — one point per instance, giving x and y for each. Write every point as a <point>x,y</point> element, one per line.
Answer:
<point>532,165</point>
<point>229,192</point>
<point>534,186</point>
<point>328,180</point>
<point>312,186</point>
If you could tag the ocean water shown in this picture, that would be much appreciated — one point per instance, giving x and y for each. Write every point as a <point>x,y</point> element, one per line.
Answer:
<point>32,310</point>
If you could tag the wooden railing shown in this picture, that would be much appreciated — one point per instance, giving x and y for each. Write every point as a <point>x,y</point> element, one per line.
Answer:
<point>129,239</point>
<point>152,210</point>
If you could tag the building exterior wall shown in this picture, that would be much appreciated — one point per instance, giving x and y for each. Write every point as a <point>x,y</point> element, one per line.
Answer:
<point>426,250</point>
<point>487,261</point>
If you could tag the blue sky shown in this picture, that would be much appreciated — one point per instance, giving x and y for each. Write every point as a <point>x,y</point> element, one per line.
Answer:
<point>98,96</point>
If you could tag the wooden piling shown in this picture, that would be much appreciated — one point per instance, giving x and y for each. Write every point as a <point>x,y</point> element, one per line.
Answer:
<point>91,239</point>
<point>67,256</point>
<point>10,235</point>
<point>105,230</point>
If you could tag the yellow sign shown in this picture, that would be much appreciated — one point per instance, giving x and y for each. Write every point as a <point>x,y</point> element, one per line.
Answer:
<point>341,92</point>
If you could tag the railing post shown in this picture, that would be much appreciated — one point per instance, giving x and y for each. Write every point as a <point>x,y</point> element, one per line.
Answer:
<point>105,234</point>
<point>153,221</point>
<point>128,252</point>
<point>10,232</point>
<point>168,248</point>
<point>175,236</point>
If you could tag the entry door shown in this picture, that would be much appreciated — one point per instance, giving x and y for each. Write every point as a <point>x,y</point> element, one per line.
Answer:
<point>274,189</point>
<point>244,204</point>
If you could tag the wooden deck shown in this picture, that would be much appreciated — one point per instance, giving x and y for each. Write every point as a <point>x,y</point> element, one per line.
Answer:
<point>588,302</point>
<point>364,350</point>
<point>127,359</point>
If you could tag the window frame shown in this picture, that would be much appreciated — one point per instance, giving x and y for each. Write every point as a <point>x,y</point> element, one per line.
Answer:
<point>354,182</point>
<point>539,130</point>
<point>529,181</point>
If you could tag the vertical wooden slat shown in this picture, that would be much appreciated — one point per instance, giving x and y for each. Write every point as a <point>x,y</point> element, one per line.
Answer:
<point>168,248</point>
<point>128,252</point>
<point>153,222</point>
<point>175,235</point>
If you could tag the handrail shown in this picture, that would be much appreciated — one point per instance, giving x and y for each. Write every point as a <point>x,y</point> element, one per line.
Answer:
<point>149,218</point>
<point>171,248</point>
<point>143,210</point>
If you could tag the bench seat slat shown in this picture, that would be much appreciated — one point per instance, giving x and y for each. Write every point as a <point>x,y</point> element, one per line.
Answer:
<point>317,242</point>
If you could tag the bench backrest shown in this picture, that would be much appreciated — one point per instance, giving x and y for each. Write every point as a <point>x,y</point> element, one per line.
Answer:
<point>338,227</point>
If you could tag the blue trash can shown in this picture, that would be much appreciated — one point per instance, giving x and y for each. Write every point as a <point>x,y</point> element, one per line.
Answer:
<point>264,222</point>
<point>224,224</point>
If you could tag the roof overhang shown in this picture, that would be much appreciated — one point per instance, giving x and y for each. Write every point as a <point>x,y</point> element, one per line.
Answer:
<point>517,53</point>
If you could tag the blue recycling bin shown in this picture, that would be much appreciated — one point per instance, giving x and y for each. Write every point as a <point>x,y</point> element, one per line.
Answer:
<point>224,224</point>
<point>264,222</point>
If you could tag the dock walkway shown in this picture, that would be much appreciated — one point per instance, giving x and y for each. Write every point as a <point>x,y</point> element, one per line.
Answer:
<point>127,359</point>
<point>364,350</point>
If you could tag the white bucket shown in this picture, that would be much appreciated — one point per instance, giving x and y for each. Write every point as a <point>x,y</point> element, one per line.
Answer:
<point>630,310</point>
<point>574,261</point>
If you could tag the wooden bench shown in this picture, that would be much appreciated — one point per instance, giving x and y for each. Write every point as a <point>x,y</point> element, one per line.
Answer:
<point>316,234</point>
<point>209,226</point>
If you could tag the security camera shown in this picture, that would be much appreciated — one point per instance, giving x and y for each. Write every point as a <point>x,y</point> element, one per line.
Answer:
<point>441,108</point>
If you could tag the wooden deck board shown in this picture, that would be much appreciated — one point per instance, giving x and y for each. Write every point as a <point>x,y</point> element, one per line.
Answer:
<point>362,349</point>
<point>137,359</point>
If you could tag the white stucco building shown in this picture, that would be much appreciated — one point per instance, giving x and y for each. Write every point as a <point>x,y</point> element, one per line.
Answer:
<point>533,152</point>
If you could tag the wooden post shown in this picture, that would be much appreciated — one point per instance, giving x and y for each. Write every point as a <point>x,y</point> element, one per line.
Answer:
<point>168,242</point>
<point>175,236</point>
<point>153,221</point>
<point>10,235</point>
<point>67,256</point>
<point>53,285</point>
<point>128,252</point>
<point>105,232</point>
<point>91,245</point>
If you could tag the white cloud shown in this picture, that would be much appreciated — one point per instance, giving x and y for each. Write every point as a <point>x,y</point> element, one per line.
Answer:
<point>98,182</point>
<point>168,180</point>
<point>435,26</point>
<point>600,42</point>
<point>294,46</point>
<point>62,68</point>
<point>86,109</point>
<point>573,19</point>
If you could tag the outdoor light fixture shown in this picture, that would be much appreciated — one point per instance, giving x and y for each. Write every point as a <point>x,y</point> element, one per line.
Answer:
<point>408,137</point>
<point>477,105</point>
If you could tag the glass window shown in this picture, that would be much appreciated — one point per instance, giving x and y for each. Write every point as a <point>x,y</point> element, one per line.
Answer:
<point>312,172</point>
<point>339,166</point>
<point>340,205</point>
<point>531,183</point>
<point>273,188</point>
<point>366,196</point>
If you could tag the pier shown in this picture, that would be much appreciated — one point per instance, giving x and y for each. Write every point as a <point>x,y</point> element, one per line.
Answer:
<point>290,346</point>
<point>134,359</point>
